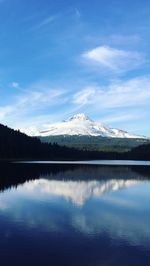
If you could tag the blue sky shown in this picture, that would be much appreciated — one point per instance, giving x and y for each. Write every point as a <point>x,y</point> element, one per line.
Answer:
<point>62,57</point>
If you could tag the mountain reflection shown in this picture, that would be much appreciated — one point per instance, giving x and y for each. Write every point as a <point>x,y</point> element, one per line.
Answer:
<point>83,202</point>
<point>91,208</point>
<point>83,212</point>
<point>78,192</point>
<point>12,175</point>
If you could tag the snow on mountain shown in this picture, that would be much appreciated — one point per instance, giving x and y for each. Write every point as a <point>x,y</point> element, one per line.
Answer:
<point>82,125</point>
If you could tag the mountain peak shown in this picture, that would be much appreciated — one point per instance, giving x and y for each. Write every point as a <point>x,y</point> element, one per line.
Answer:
<point>80,117</point>
<point>81,125</point>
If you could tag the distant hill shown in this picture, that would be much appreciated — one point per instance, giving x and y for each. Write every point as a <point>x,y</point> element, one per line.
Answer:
<point>140,153</point>
<point>95,143</point>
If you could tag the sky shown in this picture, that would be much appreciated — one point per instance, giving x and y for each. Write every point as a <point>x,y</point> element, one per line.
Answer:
<point>63,57</point>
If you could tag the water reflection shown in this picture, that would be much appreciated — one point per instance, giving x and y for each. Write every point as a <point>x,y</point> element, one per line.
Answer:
<point>99,209</point>
<point>91,207</point>
<point>11,175</point>
<point>78,192</point>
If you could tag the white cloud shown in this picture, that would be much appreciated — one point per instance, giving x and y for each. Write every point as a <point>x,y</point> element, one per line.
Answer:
<point>14,85</point>
<point>121,104</point>
<point>30,101</point>
<point>39,99</point>
<point>85,96</point>
<point>115,60</point>
<point>5,111</point>
<point>119,94</point>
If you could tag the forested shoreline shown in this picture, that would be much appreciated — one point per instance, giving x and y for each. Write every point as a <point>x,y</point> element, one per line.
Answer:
<point>18,146</point>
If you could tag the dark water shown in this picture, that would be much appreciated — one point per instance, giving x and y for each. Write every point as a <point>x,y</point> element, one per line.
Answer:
<point>74,215</point>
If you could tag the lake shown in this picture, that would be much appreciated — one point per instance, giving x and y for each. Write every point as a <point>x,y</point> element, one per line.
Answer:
<point>74,214</point>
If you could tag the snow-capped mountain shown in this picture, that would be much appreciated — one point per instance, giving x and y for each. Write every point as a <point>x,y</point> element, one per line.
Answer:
<point>82,125</point>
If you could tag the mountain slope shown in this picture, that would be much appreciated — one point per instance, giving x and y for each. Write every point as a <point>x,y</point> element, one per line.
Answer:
<point>82,125</point>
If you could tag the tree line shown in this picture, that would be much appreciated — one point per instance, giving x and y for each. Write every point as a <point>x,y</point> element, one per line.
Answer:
<point>16,145</point>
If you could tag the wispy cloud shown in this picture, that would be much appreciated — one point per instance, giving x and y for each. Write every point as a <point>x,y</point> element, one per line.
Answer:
<point>5,111</point>
<point>34,99</point>
<point>45,22</point>
<point>85,96</point>
<point>40,104</point>
<point>134,92</point>
<point>122,117</point>
<point>14,85</point>
<point>112,59</point>
<point>38,99</point>
<point>77,12</point>
<point>121,40</point>
<point>122,104</point>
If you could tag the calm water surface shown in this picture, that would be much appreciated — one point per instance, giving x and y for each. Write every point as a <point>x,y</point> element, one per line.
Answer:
<point>92,162</point>
<point>81,215</point>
